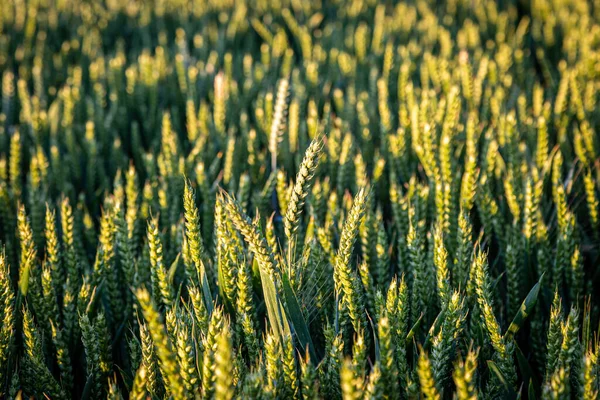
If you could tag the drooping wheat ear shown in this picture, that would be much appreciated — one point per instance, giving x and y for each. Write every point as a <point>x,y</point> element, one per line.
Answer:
<point>162,344</point>
<point>278,121</point>
<point>254,237</point>
<point>302,188</point>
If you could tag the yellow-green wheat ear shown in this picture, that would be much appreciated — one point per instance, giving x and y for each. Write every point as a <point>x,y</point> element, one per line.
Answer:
<point>162,345</point>
<point>465,377</point>
<point>224,366</point>
<point>161,288</point>
<point>8,311</point>
<point>278,121</point>
<point>346,280</point>
<point>195,242</point>
<point>301,188</point>
<point>351,383</point>
<point>428,386</point>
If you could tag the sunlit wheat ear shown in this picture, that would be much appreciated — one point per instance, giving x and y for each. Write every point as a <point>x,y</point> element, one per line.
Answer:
<point>254,237</point>
<point>162,344</point>
<point>301,188</point>
<point>428,386</point>
<point>148,360</point>
<point>224,366</point>
<point>8,311</point>
<point>278,122</point>
<point>346,280</point>
<point>160,284</point>
<point>465,376</point>
<point>351,383</point>
<point>198,253</point>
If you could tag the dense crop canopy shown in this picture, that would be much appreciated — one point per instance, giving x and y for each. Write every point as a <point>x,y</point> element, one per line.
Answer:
<point>299,199</point>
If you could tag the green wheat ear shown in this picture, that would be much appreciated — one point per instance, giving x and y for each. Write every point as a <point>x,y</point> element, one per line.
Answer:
<point>266,260</point>
<point>162,344</point>
<point>301,189</point>
<point>346,280</point>
<point>224,366</point>
<point>197,250</point>
<point>161,285</point>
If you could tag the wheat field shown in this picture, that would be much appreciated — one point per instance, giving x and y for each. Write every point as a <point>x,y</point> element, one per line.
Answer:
<point>292,199</point>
